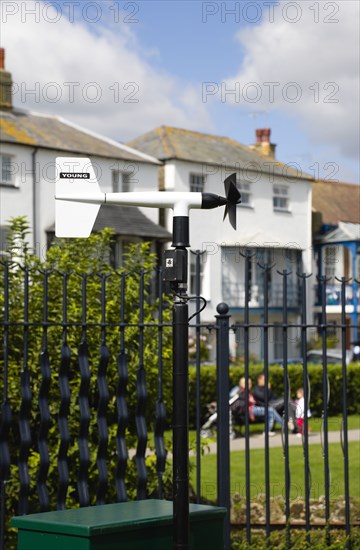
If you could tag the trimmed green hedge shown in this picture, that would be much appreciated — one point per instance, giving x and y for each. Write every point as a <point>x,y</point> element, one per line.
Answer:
<point>276,376</point>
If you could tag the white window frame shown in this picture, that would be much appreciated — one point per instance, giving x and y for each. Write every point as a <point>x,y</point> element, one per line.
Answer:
<point>4,232</point>
<point>281,193</point>
<point>10,181</point>
<point>123,179</point>
<point>245,189</point>
<point>197,186</point>
<point>192,272</point>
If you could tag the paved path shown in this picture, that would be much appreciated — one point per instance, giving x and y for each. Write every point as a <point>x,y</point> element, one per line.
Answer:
<point>258,441</point>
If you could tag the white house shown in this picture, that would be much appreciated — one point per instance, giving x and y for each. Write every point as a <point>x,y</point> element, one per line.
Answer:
<point>274,223</point>
<point>30,143</point>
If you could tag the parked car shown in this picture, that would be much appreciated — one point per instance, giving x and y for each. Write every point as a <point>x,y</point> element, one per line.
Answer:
<point>333,356</point>
<point>290,361</point>
<point>315,357</point>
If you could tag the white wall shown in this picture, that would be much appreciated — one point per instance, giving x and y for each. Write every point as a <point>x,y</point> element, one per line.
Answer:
<point>257,226</point>
<point>18,201</point>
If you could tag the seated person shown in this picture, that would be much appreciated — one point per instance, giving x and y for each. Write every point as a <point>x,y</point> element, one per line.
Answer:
<point>278,403</point>
<point>255,411</point>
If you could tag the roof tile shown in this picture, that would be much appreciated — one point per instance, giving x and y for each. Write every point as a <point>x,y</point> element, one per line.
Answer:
<point>51,132</point>
<point>336,201</point>
<point>167,143</point>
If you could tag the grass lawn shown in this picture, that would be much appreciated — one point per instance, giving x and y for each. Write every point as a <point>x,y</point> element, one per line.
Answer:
<point>334,425</point>
<point>257,475</point>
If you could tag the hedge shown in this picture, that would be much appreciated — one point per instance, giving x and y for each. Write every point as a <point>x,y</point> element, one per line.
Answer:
<point>276,376</point>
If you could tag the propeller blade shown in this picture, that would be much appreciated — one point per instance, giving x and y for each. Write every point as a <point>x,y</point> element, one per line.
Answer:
<point>232,215</point>
<point>232,193</point>
<point>233,197</point>
<point>225,212</point>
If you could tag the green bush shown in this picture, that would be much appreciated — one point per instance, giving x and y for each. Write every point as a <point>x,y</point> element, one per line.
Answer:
<point>78,257</point>
<point>276,376</point>
<point>278,540</point>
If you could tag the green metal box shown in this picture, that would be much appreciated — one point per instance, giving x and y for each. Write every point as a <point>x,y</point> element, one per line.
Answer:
<point>138,525</point>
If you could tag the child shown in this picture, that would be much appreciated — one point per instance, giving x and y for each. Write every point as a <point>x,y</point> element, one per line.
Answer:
<point>300,410</point>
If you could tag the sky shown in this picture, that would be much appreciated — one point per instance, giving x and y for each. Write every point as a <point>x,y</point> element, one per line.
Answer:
<point>123,68</point>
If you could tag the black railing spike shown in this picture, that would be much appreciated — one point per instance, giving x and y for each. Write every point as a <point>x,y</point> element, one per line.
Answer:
<point>305,445</point>
<point>325,388</point>
<point>141,404</point>
<point>6,415</point>
<point>122,423</point>
<point>63,424</point>
<point>102,424</point>
<point>160,413</point>
<point>84,422</point>
<point>43,400</point>
<point>84,406</point>
<point>64,408</point>
<point>287,396</point>
<point>103,402</point>
<point>25,409</point>
<point>344,423</point>
<point>284,272</point>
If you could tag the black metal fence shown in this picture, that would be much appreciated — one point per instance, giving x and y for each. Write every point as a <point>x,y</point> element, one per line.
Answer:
<point>86,389</point>
<point>324,329</point>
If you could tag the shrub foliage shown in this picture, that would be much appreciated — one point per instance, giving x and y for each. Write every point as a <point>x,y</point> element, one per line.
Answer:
<point>37,335</point>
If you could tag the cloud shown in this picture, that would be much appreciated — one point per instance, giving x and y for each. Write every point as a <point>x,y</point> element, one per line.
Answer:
<point>96,75</point>
<point>307,68</point>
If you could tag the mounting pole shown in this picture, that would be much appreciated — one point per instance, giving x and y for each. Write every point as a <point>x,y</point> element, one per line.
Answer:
<point>175,272</point>
<point>78,199</point>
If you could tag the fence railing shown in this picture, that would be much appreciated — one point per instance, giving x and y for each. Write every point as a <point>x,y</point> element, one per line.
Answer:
<point>333,295</point>
<point>86,390</point>
<point>234,293</point>
<point>84,369</point>
<point>305,324</point>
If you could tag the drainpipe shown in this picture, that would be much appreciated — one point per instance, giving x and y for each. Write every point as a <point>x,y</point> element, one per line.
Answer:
<point>355,287</point>
<point>34,209</point>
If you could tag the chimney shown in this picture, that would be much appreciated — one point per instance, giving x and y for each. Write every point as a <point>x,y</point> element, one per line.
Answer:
<point>5,85</point>
<point>263,145</point>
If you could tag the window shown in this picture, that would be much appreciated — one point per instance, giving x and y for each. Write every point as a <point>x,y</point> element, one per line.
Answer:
<point>119,248</point>
<point>330,260</point>
<point>281,198</point>
<point>121,181</point>
<point>278,341</point>
<point>193,272</point>
<point>4,231</point>
<point>197,183</point>
<point>246,192</point>
<point>6,170</point>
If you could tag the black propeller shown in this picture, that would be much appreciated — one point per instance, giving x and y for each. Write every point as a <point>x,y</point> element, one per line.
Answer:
<point>233,197</point>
